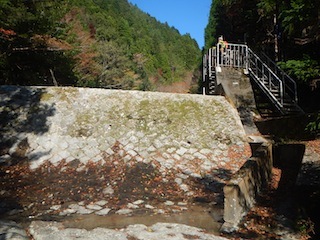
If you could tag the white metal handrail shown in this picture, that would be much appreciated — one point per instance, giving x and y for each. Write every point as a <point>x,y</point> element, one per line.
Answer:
<point>232,55</point>
<point>276,84</point>
<point>289,83</point>
<point>263,73</point>
<point>241,56</point>
<point>209,72</point>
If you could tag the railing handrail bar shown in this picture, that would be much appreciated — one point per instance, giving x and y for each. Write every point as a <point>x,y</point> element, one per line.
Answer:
<point>234,44</point>
<point>284,74</point>
<point>272,73</point>
<point>227,46</point>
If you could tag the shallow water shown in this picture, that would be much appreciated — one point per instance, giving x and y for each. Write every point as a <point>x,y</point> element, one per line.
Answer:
<point>196,216</point>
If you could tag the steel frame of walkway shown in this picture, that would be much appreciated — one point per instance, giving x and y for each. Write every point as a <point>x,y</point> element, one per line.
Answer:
<point>279,87</point>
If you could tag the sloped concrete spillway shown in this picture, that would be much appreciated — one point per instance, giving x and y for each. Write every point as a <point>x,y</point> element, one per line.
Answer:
<point>70,151</point>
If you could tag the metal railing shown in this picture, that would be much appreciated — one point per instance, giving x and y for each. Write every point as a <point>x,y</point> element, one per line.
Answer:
<point>232,55</point>
<point>274,80</point>
<point>289,83</point>
<point>276,84</point>
<point>266,78</point>
<point>209,72</point>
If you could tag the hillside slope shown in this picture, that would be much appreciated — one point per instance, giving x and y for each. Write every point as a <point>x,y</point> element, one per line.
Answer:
<point>109,44</point>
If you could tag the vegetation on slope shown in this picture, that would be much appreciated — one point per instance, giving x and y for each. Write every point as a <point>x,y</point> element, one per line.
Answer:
<point>95,43</point>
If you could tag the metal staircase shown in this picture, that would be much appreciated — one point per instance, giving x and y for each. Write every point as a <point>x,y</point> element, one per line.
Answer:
<point>276,85</point>
<point>209,72</point>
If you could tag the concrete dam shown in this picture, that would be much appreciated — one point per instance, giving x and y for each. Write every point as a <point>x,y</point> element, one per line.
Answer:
<point>54,124</point>
<point>112,154</point>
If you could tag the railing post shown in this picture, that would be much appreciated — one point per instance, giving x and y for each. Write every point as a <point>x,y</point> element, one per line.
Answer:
<point>204,72</point>
<point>247,59</point>
<point>284,83</point>
<point>209,61</point>
<point>218,55</point>
<point>269,83</point>
<point>256,65</point>
<point>296,93</point>
<point>281,93</point>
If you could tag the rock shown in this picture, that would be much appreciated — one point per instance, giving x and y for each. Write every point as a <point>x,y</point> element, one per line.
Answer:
<point>169,203</point>
<point>205,151</point>
<point>83,210</point>
<point>5,158</point>
<point>181,151</point>
<point>182,203</point>
<point>67,212</point>
<point>124,211</point>
<point>93,207</point>
<point>178,181</point>
<point>56,231</point>
<point>159,231</point>
<point>160,211</point>
<point>103,212</point>
<point>10,230</point>
<point>133,206</point>
<point>108,191</point>
<point>138,202</point>
<point>55,207</point>
<point>149,206</point>
<point>168,231</point>
<point>183,176</point>
<point>14,212</point>
<point>101,203</point>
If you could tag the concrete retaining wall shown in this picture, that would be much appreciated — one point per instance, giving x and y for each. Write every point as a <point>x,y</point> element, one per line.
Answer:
<point>241,191</point>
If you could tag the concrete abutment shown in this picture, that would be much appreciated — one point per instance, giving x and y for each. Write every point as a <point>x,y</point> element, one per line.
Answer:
<point>241,190</point>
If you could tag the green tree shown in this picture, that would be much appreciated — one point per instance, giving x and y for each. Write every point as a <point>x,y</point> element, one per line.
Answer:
<point>113,65</point>
<point>98,41</point>
<point>305,70</point>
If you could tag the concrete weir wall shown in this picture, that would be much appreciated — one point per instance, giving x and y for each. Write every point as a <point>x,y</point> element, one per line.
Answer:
<point>241,190</point>
<point>51,124</point>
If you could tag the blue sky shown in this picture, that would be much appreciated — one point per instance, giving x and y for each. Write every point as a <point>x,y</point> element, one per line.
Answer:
<point>188,16</point>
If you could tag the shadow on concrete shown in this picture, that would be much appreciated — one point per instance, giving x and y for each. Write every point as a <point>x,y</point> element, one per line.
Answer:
<point>298,193</point>
<point>21,112</point>
<point>287,128</point>
<point>214,183</point>
<point>288,158</point>
<point>9,206</point>
<point>144,181</point>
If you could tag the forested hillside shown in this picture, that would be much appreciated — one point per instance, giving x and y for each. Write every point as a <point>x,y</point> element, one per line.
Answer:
<point>95,43</point>
<point>287,31</point>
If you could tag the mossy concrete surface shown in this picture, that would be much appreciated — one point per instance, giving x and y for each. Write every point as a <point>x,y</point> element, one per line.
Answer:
<point>66,123</point>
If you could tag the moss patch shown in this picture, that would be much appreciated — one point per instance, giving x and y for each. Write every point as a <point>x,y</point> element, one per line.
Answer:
<point>46,96</point>
<point>66,94</point>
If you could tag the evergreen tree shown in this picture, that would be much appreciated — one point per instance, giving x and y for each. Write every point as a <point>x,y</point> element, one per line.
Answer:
<point>96,43</point>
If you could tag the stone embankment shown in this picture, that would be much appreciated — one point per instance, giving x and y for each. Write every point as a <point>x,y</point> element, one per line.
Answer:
<point>54,124</point>
<point>185,143</point>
